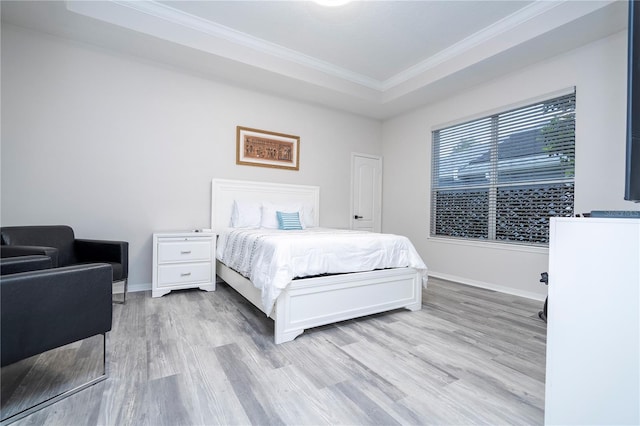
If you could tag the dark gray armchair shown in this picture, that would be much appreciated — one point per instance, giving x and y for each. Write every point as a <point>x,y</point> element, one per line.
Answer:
<point>44,309</point>
<point>13,265</point>
<point>60,244</point>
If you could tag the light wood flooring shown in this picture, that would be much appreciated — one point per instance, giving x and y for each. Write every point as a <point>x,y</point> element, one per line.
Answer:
<point>470,356</point>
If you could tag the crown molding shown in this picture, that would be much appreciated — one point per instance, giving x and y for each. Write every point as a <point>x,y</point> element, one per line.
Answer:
<point>169,23</point>
<point>213,29</point>
<point>486,34</point>
<point>180,18</point>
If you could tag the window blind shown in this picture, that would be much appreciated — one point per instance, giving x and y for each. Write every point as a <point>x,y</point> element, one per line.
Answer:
<point>501,177</point>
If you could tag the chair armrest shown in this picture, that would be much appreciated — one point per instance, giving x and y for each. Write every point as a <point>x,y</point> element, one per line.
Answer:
<point>43,310</point>
<point>14,265</point>
<point>13,251</point>
<point>103,251</point>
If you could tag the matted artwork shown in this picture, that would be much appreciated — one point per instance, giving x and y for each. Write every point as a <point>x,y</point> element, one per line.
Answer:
<point>256,147</point>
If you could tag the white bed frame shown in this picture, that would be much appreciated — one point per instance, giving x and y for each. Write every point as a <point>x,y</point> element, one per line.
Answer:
<point>311,302</point>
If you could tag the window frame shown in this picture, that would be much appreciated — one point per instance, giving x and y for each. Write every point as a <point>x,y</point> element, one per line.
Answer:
<point>495,183</point>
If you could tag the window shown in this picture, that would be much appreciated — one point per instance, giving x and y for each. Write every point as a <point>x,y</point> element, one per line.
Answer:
<point>500,178</point>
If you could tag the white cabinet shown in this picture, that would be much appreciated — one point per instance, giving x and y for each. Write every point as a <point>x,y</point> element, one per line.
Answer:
<point>593,331</point>
<point>183,260</point>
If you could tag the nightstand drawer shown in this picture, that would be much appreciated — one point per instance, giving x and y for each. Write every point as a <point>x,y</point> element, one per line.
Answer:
<point>184,251</point>
<point>183,259</point>
<point>184,273</point>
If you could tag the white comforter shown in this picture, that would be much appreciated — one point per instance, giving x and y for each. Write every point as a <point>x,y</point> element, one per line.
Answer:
<point>271,258</point>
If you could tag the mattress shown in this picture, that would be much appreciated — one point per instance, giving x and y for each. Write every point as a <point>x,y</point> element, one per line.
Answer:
<point>272,258</point>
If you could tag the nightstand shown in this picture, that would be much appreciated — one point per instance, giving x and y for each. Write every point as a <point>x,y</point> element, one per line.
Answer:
<point>183,260</point>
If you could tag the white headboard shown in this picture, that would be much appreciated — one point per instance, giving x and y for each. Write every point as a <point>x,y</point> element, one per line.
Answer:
<point>225,191</point>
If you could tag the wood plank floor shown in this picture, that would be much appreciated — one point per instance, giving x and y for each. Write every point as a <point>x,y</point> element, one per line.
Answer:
<point>470,356</point>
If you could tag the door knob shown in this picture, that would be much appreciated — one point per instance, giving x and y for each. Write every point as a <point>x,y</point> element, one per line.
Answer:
<point>357,217</point>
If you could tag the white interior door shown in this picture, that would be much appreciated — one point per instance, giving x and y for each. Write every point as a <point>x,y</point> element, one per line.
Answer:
<point>366,192</point>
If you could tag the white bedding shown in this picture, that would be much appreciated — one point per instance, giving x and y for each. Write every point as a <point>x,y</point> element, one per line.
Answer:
<point>272,258</point>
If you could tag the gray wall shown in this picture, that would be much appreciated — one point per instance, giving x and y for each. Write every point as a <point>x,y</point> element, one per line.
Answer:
<point>598,71</point>
<point>120,148</point>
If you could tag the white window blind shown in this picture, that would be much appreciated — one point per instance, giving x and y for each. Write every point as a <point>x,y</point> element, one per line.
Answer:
<point>501,177</point>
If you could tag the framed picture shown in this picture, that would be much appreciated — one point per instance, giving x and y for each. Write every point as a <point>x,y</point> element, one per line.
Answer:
<point>256,147</point>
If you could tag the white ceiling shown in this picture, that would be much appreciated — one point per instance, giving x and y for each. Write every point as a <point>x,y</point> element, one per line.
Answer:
<point>373,58</point>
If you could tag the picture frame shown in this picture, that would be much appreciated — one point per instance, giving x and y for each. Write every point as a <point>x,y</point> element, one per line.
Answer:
<point>255,147</point>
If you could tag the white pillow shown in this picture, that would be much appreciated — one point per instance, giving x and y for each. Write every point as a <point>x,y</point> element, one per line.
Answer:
<point>307,218</point>
<point>270,217</point>
<point>246,214</point>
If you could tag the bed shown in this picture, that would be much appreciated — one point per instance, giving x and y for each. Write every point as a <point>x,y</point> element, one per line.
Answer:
<point>318,300</point>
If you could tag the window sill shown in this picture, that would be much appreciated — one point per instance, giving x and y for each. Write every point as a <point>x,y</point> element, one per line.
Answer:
<point>491,245</point>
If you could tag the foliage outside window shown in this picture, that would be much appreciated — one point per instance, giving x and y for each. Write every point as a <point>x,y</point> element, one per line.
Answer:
<point>500,178</point>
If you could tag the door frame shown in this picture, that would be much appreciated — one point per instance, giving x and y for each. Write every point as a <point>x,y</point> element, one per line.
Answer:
<point>379,195</point>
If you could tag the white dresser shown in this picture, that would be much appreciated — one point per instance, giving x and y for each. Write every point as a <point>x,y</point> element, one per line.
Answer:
<point>593,330</point>
<point>183,260</point>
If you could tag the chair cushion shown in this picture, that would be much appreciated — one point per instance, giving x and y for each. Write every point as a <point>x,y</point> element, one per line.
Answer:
<point>58,236</point>
<point>115,267</point>
<point>14,265</point>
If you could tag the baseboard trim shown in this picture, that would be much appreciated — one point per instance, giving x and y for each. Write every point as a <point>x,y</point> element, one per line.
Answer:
<point>488,286</point>
<point>134,288</point>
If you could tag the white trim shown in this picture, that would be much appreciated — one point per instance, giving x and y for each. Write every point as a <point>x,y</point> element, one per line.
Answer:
<point>502,109</point>
<point>360,154</point>
<point>134,288</point>
<point>213,29</point>
<point>462,47</point>
<point>377,222</point>
<point>119,12</point>
<point>488,286</point>
<point>493,245</point>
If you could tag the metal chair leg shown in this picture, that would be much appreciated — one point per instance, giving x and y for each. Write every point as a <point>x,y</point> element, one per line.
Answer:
<point>65,394</point>
<point>124,295</point>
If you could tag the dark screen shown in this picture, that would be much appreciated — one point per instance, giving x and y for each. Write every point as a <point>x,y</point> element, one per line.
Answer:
<point>632,184</point>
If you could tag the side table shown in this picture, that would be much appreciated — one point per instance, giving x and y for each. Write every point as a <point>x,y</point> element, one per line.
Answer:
<point>184,259</point>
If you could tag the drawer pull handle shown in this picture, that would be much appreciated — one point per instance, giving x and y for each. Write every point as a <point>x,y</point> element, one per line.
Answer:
<point>185,274</point>
<point>185,252</point>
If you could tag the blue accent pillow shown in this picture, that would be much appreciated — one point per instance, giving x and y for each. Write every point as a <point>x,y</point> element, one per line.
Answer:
<point>288,221</point>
